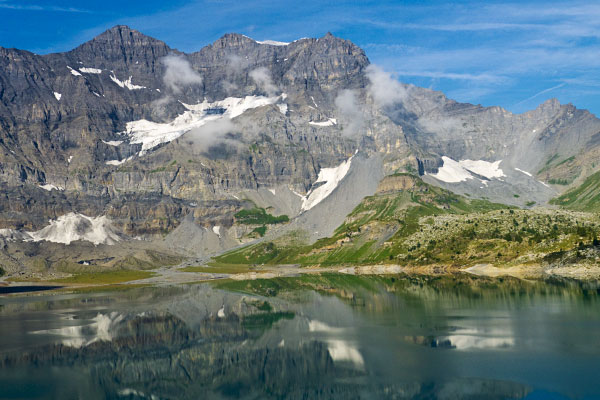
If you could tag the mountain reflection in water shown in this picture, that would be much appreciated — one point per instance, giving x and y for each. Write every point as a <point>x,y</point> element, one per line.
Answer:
<point>321,336</point>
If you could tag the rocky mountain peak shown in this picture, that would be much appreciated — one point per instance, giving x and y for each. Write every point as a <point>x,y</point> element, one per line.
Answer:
<point>119,44</point>
<point>233,40</point>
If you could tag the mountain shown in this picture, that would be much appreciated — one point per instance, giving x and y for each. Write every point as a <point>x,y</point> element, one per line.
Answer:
<point>169,147</point>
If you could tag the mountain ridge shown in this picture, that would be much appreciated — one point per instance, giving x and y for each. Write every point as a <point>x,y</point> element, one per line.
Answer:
<point>126,127</point>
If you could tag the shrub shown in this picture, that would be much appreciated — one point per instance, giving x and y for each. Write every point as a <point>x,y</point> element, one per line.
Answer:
<point>258,216</point>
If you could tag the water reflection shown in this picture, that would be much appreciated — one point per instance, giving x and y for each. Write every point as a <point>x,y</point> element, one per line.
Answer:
<point>325,336</point>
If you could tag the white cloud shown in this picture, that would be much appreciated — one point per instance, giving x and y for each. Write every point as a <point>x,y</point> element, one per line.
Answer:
<point>212,133</point>
<point>541,93</point>
<point>263,80</point>
<point>179,73</point>
<point>385,89</point>
<point>34,7</point>
<point>350,112</point>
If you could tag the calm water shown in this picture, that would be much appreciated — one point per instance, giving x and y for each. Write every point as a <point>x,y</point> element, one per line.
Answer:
<point>330,336</point>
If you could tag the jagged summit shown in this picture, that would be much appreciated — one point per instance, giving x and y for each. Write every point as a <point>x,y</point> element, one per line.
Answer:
<point>120,43</point>
<point>234,40</point>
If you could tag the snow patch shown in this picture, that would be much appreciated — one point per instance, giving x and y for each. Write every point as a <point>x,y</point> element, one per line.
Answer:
<point>70,159</point>
<point>452,172</point>
<point>12,235</point>
<point>71,227</point>
<point>151,134</point>
<point>283,108</point>
<point>272,42</point>
<point>90,70</point>
<point>342,351</point>
<point>330,177</point>
<point>100,329</point>
<point>57,95</point>
<point>126,84</point>
<point>49,187</point>
<point>525,172</point>
<point>217,230</point>
<point>118,162</point>
<point>459,171</point>
<point>318,326</point>
<point>329,122</point>
<point>484,168</point>
<point>74,71</point>
<point>112,142</point>
<point>314,102</point>
<point>272,191</point>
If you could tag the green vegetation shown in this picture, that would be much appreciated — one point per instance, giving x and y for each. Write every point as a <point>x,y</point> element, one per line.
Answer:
<point>530,203</point>
<point>566,160</point>
<point>214,268</point>
<point>359,290</point>
<point>558,181</point>
<point>424,225</point>
<point>261,230</point>
<point>259,216</point>
<point>265,320</point>
<point>392,216</point>
<point>102,288</point>
<point>329,283</point>
<point>585,197</point>
<point>549,163</point>
<point>108,277</point>
<point>410,169</point>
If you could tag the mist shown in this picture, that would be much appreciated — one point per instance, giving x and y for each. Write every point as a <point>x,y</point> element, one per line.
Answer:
<point>350,112</point>
<point>213,133</point>
<point>384,88</point>
<point>179,73</point>
<point>262,78</point>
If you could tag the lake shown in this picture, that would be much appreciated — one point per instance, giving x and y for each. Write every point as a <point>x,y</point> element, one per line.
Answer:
<point>309,337</point>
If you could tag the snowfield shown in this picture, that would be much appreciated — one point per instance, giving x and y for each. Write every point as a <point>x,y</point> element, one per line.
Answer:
<point>330,177</point>
<point>272,42</point>
<point>100,330</point>
<point>112,142</point>
<point>74,71</point>
<point>283,108</point>
<point>57,95</point>
<point>484,168</point>
<point>459,171</point>
<point>329,122</point>
<point>50,187</point>
<point>90,70</point>
<point>525,172</point>
<point>71,227</point>
<point>151,134</point>
<point>452,172</point>
<point>126,84</point>
<point>118,162</point>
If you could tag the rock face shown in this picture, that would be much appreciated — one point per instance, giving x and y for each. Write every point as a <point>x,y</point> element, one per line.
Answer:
<point>66,132</point>
<point>393,183</point>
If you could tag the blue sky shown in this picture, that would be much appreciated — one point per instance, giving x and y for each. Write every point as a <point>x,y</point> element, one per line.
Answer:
<point>512,54</point>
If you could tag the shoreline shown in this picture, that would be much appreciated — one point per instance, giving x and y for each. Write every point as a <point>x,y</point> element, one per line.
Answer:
<point>177,276</point>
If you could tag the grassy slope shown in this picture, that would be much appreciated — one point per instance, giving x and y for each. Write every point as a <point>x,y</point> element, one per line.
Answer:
<point>585,197</point>
<point>427,225</point>
<point>103,278</point>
